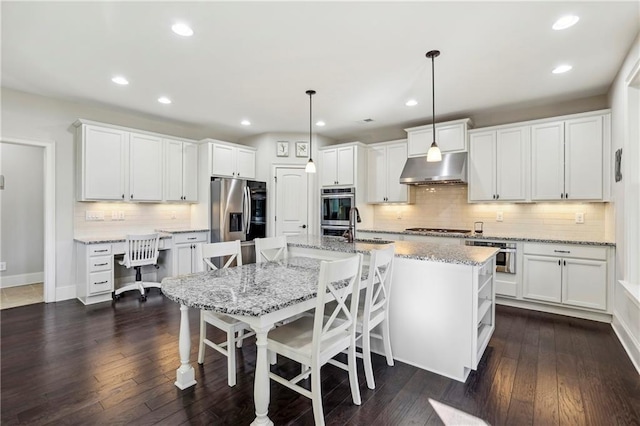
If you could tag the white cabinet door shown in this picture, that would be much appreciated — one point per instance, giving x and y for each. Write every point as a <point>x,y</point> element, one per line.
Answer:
<point>449,137</point>
<point>223,160</point>
<point>345,167</point>
<point>245,163</point>
<point>104,163</point>
<point>396,159</point>
<point>419,142</point>
<point>173,167</point>
<point>329,167</point>
<point>184,259</point>
<point>547,161</point>
<point>511,166</point>
<point>584,283</point>
<point>583,159</point>
<point>190,171</point>
<point>145,168</point>
<point>542,278</point>
<point>482,167</point>
<point>377,174</point>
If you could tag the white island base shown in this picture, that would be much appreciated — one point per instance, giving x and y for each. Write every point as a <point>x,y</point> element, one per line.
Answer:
<point>442,315</point>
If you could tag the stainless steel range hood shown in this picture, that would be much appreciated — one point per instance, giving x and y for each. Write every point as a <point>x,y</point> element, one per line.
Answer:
<point>452,169</point>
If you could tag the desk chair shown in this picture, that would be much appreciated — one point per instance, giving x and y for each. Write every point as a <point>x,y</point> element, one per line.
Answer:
<point>269,249</point>
<point>230,325</point>
<point>140,250</point>
<point>314,341</point>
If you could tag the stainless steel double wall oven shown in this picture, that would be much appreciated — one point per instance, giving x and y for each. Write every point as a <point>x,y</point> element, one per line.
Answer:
<point>335,205</point>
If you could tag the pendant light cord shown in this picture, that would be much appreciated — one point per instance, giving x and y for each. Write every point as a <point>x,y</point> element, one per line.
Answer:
<point>433,96</point>
<point>310,121</point>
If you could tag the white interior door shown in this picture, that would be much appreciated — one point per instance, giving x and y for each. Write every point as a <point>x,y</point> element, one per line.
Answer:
<point>291,201</point>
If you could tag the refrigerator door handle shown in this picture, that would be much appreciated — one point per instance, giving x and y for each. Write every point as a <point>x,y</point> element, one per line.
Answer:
<point>248,209</point>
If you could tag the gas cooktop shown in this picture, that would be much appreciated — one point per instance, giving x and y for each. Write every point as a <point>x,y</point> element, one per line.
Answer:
<point>440,230</point>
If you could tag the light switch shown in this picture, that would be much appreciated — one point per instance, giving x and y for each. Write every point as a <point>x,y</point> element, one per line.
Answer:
<point>499,217</point>
<point>580,217</point>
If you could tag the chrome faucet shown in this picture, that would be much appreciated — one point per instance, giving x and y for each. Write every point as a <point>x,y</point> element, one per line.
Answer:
<point>350,233</point>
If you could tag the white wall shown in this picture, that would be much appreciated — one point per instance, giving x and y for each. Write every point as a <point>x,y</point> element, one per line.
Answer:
<point>626,195</point>
<point>22,216</point>
<point>26,116</point>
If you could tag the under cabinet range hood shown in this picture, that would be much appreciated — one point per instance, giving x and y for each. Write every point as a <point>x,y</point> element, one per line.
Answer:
<point>452,169</point>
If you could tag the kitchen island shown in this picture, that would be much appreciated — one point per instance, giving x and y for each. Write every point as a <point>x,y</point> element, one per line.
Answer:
<point>442,311</point>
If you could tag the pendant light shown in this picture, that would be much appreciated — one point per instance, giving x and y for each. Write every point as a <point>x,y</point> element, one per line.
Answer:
<point>434,154</point>
<point>311,167</point>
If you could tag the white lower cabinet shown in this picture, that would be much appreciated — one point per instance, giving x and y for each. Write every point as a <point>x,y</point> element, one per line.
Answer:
<point>94,272</point>
<point>568,275</point>
<point>183,258</point>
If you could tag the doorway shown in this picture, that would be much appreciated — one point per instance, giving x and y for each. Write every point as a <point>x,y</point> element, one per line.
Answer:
<point>291,214</point>
<point>32,225</point>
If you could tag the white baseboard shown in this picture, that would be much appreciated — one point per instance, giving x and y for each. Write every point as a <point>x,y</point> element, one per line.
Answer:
<point>65,293</point>
<point>21,279</point>
<point>570,312</point>
<point>630,344</point>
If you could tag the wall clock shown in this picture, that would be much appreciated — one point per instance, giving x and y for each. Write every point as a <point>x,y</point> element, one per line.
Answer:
<point>282,149</point>
<point>302,149</point>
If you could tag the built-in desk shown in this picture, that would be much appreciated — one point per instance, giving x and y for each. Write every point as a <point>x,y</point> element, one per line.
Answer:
<point>96,260</point>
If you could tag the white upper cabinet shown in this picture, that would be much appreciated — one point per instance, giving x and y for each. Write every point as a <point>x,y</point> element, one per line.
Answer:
<point>145,167</point>
<point>384,166</point>
<point>102,163</point>
<point>451,136</point>
<point>337,166</point>
<point>570,159</point>
<point>114,164</point>
<point>181,171</point>
<point>498,164</point>
<point>233,161</point>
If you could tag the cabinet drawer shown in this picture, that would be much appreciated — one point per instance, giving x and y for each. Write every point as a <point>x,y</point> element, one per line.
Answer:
<point>100,263</point>
<point>99,249</point>
<point>191,237</point>
<point>566,250</point>
<point>100,282</point>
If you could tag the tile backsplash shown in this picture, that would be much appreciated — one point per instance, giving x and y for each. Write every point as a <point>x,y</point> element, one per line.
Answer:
<point>138,218</point>
<point>446,206</point>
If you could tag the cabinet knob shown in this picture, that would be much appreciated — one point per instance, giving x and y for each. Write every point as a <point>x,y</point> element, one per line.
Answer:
<point>561,195</point>
<point>497,196</point>
<point>123,196</point>
<point>565,262</point>
<point>131,196</point>
<point>558,261</point>
<point>494,196</point>
<point>566,195</point>
<point>303,226</point>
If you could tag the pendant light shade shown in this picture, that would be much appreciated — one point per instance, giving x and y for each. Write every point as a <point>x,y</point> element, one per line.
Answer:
<point>311,167</point>
<point>434,154</point>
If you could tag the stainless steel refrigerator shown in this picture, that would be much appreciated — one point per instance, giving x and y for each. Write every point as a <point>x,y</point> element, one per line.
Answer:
<point>238,212</point>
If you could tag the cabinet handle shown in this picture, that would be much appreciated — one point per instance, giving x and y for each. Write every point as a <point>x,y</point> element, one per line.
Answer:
<point>123,196</point>
<point>561,195</point>
<point>565,262</point>
<point>558,262</point>
<point>566,195</point>
<point>494,196</point>
<point>562,251</point>
<point>101,264</point>
<point>497,196</point>
<point>102,282</point>
<point>192,238</point>
<point>101,251</point>
<point>131,196</point>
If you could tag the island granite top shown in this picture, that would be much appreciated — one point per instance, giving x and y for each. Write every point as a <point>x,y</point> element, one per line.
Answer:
<point>474,236</point>
<point>445,253</point>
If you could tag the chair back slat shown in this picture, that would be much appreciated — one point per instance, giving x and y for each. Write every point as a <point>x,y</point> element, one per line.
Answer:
<point>378,284</point>
<point>270,249</point>
<point>337,279</point>
<point>141,250</point>
<point>210,251</point>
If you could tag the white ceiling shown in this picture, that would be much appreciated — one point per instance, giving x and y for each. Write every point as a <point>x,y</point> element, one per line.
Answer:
<point>365,59</point>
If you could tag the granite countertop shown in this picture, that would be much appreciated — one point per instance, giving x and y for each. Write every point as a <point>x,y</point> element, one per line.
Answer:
<point>253,289</point>
<point>445,253</point>
<point>164,233</point>
<point>474,236</point>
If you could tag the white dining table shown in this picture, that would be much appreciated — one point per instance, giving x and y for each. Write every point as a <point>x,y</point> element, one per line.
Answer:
<point>258,294</point>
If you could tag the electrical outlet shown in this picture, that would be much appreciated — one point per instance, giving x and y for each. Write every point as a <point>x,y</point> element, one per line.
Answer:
<point>580,217</point>
<point>499,217</point>
<point>399,214</point>
<point>114,215</point>
<point>3,266</point>
<point>120,215</point>
<point>173,215</point>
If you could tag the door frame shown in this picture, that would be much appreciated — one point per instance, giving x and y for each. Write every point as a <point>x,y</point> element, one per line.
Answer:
<point>49,210</point>
<point>274,196</point>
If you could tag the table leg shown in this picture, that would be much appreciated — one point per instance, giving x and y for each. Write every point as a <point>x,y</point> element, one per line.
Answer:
<point>261,386</point>
<point>185,375</point>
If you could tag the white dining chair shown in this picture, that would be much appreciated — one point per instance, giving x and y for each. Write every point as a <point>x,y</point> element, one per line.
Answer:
<point>314,341</point>
<point>373,311</point>
<point>270,249</point>
<point>234,328</point>
<point>140,250</point>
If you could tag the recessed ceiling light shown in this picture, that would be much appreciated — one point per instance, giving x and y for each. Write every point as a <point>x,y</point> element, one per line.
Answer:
<point>411,102</point>
<point>120,80</point>
<point>561,69</point>
<point>565,22</point>
<point>245,123</point>
<point>320,123</point>
<point>164,100</point>
<point>182,29</point>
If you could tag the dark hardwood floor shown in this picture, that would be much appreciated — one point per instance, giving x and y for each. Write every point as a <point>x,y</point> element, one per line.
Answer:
<point>65,363</point>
